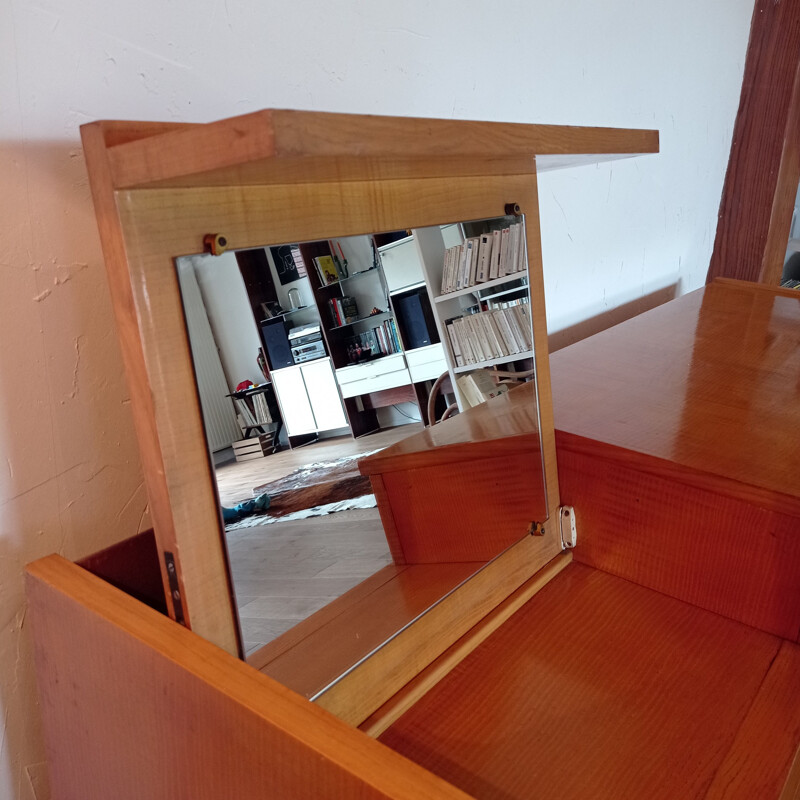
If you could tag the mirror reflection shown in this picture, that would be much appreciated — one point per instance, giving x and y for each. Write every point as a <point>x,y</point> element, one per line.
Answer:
<point>790,276</point>
<point>338,380</point>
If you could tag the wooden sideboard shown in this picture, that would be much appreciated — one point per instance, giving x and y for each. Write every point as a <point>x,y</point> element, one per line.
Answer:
<point>658,659</point>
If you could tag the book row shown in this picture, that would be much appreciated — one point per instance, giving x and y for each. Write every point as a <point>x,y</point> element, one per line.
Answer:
<point>343,310</point>
<point>477,387</point>
<point>379,341</point>
<point>484,258</point>
<point>489,335</point>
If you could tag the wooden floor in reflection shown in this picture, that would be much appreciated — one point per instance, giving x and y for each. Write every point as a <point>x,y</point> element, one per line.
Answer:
<point>285,571</point>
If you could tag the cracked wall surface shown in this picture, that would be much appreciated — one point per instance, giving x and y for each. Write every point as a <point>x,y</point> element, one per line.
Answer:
<point>617,238</point>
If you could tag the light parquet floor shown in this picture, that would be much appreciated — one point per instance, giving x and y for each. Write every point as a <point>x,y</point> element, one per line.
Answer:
<point>285,571</point>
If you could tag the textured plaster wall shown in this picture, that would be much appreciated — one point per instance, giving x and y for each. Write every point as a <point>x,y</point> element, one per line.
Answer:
<point>617,238</point>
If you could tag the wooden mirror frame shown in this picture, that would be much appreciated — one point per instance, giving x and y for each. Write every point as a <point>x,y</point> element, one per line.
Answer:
<point>283,176</point>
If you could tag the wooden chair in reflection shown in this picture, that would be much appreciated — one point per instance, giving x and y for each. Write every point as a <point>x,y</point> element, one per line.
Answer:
<point>444,386</point>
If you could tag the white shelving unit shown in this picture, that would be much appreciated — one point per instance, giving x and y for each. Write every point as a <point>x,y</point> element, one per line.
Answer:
<point>431,247</point>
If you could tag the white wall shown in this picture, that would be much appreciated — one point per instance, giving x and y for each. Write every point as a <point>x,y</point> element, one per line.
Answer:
<point>230,316</point>
<point>70,480</point>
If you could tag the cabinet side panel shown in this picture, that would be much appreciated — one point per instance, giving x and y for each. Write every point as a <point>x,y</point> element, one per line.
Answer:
<point>466,510</point>
<point>135,706</point>
<point>707,548</point>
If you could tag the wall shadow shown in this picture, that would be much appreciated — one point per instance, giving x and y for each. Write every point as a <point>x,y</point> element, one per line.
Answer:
<point>600,322</point>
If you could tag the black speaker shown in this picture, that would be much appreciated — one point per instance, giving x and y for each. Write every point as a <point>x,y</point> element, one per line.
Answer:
<point>276,342</point>
<point>415,318</point>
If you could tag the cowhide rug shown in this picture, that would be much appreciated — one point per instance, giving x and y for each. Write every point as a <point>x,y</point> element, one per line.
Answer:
<point>312,491</point>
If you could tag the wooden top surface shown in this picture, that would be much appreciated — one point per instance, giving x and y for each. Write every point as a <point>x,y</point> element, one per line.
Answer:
<point>308,657</point>
<point>491,424</point>
<point>600,688</point>
<point>710,381</point>
<point>245,149</point>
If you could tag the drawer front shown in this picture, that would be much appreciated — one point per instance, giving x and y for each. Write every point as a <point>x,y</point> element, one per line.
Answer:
<point>375,383</point>
<point>372,369</point>
<point>426,363</point>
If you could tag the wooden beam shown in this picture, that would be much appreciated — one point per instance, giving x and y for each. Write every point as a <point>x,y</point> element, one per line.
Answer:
<point>764,166</point>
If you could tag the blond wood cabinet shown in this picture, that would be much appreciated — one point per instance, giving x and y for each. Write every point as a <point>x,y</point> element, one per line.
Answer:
<point>663,664</point>
<point>572,679</point>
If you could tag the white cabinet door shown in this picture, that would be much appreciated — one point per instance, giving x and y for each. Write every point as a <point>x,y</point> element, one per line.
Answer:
<point>295,405</point>
<point>324,394</point>
<point>401,264</point>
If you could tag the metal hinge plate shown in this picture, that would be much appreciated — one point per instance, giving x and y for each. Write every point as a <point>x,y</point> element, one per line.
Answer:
<point>566,523</point>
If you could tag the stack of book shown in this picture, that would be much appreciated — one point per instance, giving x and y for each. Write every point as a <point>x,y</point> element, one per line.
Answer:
<point>483,258</point>
<point>261,408</point>
<point>380,341</point>
<point>344,310</point>
<point>491,334</point>
<point>477,387</point>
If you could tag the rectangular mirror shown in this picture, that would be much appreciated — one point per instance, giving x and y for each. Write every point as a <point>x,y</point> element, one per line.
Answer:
<point>299,188</point>
<point>334,376</point>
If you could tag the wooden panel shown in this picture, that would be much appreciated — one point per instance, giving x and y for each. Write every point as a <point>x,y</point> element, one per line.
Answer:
<point>596,688</point>
<point>174,221</point>
<point>490,424</point>
<point>123,131</point>
<point>360,692</point>
<point>529,203</point>
<point>344,146</point>
<point>469,510</point>
<point>387,519</point>
<point>307,627</point>
<point>131,565</point>
<point>208,607</point>
<point>337,642</point>
<point>718,552</point>
<point>422,683</point>
<point>764,150</point>
<point>163,714</point>
<point>707,381</point>
<point>766,746</point>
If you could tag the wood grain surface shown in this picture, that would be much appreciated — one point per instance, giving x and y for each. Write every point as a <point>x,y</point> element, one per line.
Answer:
<point>422,683</point>
<point>202,577</point>
<point>764,166</point>
<point>766,747</point>
<point>709,381</point>
<point>365,620</point>
<point>722,553</point>
<point>476,480</point>
<point>675,448</point>
<point>469,510</point>
<point>344,146</point>
<point>359,693</point>
<point>596,688</point>
<point>136,707</point>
